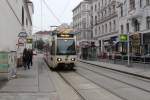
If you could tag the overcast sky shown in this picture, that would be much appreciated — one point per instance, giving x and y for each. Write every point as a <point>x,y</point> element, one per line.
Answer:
<point>61,8</point>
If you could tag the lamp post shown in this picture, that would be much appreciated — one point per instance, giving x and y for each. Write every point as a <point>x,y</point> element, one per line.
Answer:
<point>128,42</point>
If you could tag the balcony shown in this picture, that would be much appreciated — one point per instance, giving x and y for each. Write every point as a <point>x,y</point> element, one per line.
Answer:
<point>113,2</point>
<point>137,13</point>
<point>108,17</point>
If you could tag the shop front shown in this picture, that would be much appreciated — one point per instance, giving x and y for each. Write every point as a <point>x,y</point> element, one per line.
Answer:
<point>146,43</point>
<point>136,44</point>
<point>88,50</point>
<point>110,46</point>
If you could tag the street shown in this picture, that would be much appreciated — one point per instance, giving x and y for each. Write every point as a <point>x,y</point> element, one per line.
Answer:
<point>86,82</point>
<point>75,50</point>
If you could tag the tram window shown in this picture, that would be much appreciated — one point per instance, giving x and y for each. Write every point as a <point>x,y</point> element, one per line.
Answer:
<point>53,48</point>
<point>66,47</point>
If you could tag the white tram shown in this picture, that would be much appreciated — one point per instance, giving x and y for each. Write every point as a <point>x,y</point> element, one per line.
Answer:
<point>62,50</point>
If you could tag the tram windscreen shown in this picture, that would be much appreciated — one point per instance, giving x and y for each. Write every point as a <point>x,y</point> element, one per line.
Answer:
<point>66,47</point>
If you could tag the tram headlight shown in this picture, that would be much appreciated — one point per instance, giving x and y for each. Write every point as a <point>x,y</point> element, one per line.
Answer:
<point>59,59</point>
<point>73,59</point>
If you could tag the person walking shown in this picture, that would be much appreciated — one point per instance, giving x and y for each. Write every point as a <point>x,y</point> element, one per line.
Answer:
<point>30,60</point>
<point>25,58</point>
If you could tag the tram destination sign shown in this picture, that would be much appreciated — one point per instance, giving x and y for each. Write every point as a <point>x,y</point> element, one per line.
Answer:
<point>65,35</point>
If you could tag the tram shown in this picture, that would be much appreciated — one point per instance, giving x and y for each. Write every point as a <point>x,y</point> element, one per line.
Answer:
<point>62,50</point>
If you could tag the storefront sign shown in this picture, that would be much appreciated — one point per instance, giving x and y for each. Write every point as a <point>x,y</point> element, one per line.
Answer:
<point>123,38</point>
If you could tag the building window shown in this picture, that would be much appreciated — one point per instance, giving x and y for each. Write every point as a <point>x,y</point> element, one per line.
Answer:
<point>22,16</point>
<point>105,12</point>
<point>102,15</point>
<point>109,26</point>
<point>132,4</point>
<point>95,7</point>
<point>95,31</point>
<point>102,29</point>
<point>141,3</point>
<point>121,8</point>
<point>127,25</point>
<point>99,29</point>
<point>147,2</point>
<point>113,8</point>
<point>106,28</point>
<point>27,22</point>
<point>95,20</point>
<point>136,25</point>
<point>122,29</point>
<point>99,5</point>
<point>92,8</point>
<point>148,22</point>
<point>114,25</point>
<point>109,10</point>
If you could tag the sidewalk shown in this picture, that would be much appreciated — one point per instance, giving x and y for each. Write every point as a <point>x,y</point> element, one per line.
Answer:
<point>136,70</point>
<point>32,84</point>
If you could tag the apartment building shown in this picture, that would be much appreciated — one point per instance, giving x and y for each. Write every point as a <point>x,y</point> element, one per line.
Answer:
<point>82,25</point>
<point>15,17</point>
<point>134,19</point>
<point>105,25</point>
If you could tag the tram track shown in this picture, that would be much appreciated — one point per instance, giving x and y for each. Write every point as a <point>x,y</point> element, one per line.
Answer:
<point>145,79</point>
<point>67,82</point>
<point>114,78</point>
<point>112,69</point>
<point>80,69</point>
<point>143,90</point>
<point>82,97</point>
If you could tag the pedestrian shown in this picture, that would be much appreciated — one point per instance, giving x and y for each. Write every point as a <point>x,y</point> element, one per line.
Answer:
<point>30,57</point>
<point>25,58</point>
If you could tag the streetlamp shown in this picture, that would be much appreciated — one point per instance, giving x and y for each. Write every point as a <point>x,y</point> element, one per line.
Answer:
<point>128,42</point>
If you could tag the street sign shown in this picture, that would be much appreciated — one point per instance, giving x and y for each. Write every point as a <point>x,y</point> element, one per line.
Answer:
<point>21,41</point>
<point>123,38</point>
<point>29,40</point>
<point>22,34</point>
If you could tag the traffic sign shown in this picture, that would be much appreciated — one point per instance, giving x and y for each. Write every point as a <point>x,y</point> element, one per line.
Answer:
<point>22,34</point>
<point>29,40</point>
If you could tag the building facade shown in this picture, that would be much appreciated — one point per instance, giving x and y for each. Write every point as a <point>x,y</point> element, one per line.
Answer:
<point>105,25</point>
<point>82,25</point>
<point>15,17</point>
<point>134,19</point>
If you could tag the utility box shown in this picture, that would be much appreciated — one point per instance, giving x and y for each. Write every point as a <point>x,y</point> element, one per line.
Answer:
<point>8,64</point>
<point>4,56</point>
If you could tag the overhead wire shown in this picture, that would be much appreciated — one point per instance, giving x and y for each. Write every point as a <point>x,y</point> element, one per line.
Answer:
<point>65,7</point>
<point>51,11</point>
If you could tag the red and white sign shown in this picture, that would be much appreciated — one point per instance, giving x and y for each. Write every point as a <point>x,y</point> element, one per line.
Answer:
<point>21,42</point>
